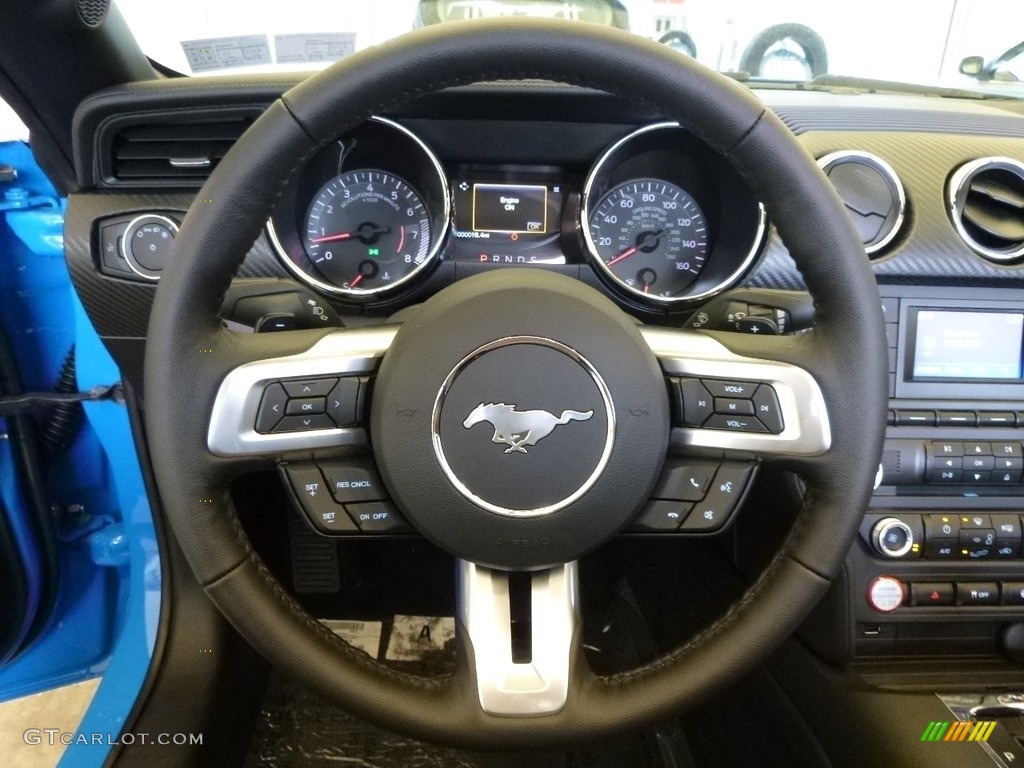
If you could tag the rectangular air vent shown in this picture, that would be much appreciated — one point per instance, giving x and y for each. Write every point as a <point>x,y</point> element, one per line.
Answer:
<point>171,150</point>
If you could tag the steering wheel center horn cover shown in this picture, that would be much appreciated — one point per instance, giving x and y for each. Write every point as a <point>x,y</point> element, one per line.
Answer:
<point>549,479</point>
<point>519,419</point>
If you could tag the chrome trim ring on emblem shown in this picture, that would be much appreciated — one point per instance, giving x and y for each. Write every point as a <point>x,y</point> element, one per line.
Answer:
<point>435,425</point>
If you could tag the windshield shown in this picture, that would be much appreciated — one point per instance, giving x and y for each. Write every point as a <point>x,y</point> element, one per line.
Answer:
<point>922,42</point>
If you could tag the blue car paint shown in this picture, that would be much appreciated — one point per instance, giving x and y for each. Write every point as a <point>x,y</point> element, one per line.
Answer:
<point>106,618</point>
<point>133,648</point>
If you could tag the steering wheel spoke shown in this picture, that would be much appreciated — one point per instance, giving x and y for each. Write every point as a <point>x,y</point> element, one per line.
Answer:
<point>768,406</point>
<point>293,405</point>
<point>520,627</point>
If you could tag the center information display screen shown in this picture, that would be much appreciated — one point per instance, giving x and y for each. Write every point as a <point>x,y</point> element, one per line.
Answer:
<point>968,346</point>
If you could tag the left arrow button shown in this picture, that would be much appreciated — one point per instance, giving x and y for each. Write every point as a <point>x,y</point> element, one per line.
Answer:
<point>272,408</point>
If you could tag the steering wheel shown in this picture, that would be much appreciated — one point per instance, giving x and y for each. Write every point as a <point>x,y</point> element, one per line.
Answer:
<point>489,340</point>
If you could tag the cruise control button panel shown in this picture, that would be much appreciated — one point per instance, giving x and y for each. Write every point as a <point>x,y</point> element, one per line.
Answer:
<point>728,405</point>
<point>301,405</point>
<point>343,497</point>
<point>695,496</point>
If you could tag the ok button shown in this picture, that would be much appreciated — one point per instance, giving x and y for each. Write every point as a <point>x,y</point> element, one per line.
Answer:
<point>304,406</point>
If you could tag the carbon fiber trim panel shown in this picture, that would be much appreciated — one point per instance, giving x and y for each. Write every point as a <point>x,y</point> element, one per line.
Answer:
<point>120,308</point>
<point>928,250</point>
<point>802,120</point>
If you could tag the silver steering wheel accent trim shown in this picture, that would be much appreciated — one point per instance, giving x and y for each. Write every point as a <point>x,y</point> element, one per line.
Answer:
<point>233,421</point>
<point>806,429</point>
<point>541,685</point>
<point>806,432</point>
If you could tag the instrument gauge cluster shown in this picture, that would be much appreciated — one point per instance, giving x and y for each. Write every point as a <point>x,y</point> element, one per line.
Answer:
<point>659,218</point>
<point>367,216</point>
<point>650,236</point>
<point>666,221</point>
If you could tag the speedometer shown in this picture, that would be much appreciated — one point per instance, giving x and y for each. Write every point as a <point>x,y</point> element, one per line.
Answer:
<point>649,236</point>
<point>367,231</point>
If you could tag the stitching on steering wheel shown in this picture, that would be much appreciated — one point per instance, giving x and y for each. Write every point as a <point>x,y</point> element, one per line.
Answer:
<point>318,628</point>
<point>435,683</point>
<point>361,657</point>
<point>722,623</point>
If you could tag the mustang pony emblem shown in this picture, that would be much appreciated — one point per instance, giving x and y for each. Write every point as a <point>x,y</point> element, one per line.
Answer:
<point>518,429</point>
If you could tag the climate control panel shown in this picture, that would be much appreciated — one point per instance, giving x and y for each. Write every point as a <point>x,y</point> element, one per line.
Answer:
<point>944,536</point>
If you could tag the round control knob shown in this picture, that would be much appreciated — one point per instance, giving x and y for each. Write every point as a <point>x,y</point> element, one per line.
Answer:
<point>886,594</point>
<point>146,244</point>
<point>891,537</point>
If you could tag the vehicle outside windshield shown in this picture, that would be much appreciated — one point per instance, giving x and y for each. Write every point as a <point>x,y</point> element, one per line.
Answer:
<point>910,41</point>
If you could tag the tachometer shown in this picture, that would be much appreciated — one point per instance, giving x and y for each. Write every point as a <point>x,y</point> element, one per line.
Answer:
<point>649,236</point>
<point>367,231</point>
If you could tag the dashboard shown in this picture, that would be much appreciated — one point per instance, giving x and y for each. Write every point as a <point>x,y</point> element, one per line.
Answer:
<point>502,176</point>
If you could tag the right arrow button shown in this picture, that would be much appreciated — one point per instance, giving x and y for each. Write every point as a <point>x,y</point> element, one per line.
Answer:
<point>343,401</point>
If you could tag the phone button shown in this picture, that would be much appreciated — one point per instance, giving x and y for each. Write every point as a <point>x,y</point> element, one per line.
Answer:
<point>685,480</point>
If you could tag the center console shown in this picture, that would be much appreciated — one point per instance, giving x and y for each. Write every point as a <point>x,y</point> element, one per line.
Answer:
<point>938,570</point>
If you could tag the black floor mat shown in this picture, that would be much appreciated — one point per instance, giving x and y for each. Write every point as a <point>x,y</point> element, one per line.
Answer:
<point>297,728</point>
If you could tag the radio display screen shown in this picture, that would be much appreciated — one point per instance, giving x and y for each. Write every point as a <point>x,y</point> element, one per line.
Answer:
<point>968,346</point>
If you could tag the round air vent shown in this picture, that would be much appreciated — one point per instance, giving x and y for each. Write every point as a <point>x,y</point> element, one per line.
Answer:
<point>986,203</point>
<point>873,195</point>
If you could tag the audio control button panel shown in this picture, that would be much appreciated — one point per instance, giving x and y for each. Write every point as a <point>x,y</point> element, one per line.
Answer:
<point>734,406</point>
<point>975,462</point>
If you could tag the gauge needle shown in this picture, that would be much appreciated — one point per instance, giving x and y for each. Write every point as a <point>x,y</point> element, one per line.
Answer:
<point>355,280</point>
<point>624,255</point>
<point>332,238</point>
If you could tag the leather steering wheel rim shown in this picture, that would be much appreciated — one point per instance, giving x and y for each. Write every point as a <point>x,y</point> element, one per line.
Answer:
<point>189,353</point>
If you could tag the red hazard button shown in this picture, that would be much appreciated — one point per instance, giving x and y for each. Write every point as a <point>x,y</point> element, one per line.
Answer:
<point>932,593</point>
